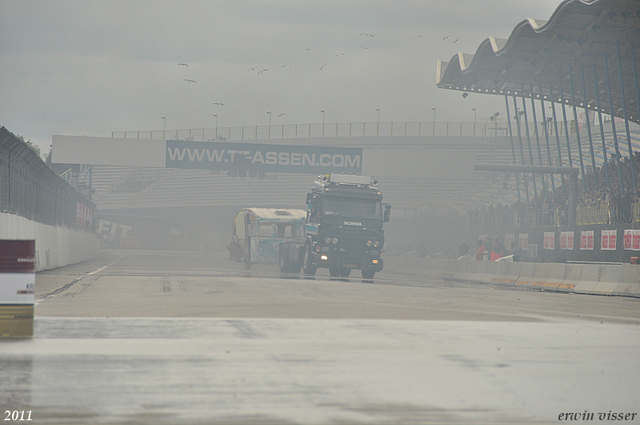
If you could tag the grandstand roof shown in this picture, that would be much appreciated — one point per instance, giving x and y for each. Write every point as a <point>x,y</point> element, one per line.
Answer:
<point>578,38</point>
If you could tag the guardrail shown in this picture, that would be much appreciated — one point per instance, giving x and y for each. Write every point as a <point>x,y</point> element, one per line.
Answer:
<point>497,128</point>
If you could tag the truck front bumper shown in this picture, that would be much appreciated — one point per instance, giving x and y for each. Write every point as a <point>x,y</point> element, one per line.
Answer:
<point>335,259</point>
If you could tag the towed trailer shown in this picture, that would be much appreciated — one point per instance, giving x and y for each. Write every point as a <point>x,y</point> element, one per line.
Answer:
<point>257,233</point>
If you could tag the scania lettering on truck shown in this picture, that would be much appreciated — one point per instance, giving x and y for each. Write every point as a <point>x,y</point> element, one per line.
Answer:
<point>343,229</point>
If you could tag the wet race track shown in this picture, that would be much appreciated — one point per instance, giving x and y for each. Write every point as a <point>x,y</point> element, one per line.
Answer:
<point>141,337</point>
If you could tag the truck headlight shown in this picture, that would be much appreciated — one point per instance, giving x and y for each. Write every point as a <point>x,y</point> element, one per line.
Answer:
<point>369,243</point>
<point>327,240</point>
<point>334,240</point>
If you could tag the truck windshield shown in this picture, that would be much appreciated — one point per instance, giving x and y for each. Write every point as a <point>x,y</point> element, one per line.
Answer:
<point>350,207</point>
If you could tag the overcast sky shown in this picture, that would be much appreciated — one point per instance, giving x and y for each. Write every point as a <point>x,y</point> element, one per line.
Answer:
<point>79,67</point>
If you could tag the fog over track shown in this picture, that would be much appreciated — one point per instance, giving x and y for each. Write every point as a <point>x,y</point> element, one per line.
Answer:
<point>144,337</point>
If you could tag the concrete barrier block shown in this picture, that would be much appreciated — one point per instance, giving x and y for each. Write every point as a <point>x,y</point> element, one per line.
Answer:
<point>591,272</point>
<point>630,273</point>
<point>610,273</point>
<point>585,287</point>
<point>573,272</point>
<point>599,288</point>
<point>627,289</point>
<point>540,277</point>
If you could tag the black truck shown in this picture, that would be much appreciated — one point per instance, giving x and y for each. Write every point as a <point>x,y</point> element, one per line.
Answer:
<point>343,229</point>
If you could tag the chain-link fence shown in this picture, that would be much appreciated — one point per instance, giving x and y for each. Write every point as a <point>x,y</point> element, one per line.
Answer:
<point>29,188</point>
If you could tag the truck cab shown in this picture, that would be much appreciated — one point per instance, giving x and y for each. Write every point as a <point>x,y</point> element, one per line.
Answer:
<point>344,228</point>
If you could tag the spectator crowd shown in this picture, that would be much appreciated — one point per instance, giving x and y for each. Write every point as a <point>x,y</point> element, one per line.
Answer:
<point>551,205</point>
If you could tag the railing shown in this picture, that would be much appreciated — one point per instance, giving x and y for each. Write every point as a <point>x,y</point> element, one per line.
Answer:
<point>608,214</point>
<point>358,129</point>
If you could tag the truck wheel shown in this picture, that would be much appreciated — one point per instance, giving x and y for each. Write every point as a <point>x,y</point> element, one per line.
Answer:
<point>368,274</point>
<point>286,265</point>
<point>308,267</point>
<point>282,260</point>
<point>335,271</point>
<point>345,272</point>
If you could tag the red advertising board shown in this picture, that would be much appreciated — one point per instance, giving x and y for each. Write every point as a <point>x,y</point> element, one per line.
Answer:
<point>17,256</point>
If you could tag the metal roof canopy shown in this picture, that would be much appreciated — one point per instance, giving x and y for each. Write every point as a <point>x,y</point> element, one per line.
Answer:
<point>577,40</point>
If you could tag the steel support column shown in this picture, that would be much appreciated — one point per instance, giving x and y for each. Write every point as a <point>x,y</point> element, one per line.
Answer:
<point>626,117</point>
<point>635,77</point>
<point>526,126</point>
<point>526,182</point>
<point>513,148</point>
<point>575,117</point>
<point>586,113</point>
<point>555,126</point>
<point>537,134</point>
<point>546,136</point>
<point>564,117</point>
<point>604,145</point>
<point>613,123</point>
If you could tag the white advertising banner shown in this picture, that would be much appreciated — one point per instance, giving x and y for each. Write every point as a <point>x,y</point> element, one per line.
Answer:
<point>632,239</point>
<point>608,240</point>
<point>17,288</point>
<point>566,241</point>
<point>586,240</point>
<point>523,241</point>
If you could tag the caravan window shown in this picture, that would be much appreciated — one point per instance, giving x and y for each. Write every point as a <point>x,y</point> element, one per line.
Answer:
<point>280,230</point>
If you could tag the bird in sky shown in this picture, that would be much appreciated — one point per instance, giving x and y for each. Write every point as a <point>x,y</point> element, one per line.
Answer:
<point>280,115</point>
<point>367,34</point>
<point>262,70</point>
<point>446,37</point>
<point>182,64</point>
<point>253,69</point>
<point>336,55</point>
<point>307,49</point>
<point>218,103</point>
<point>367,48</point>
<point>456,40</point>
<point>188,81</point>
<point>322,67</point>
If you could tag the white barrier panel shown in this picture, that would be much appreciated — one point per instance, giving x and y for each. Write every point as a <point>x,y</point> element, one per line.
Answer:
<point>17,287</point>
<point>55,246</point>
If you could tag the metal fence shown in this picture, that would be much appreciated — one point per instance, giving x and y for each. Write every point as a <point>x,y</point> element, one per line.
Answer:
<point>498,128</point>
<point>29,188</point>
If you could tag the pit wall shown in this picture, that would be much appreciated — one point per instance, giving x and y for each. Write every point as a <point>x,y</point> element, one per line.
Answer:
<point>596,279</point>
<point>55,246</point>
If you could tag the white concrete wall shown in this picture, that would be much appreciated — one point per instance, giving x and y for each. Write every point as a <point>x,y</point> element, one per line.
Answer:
<point>601,279</point>
<point>55,246</point>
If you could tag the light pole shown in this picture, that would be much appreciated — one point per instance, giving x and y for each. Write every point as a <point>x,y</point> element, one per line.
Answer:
<point>494,118</point>
<point>378,122</point>
<point>269,131</point>
<point>434,120</point>
<point>324,114</point>
<point>216,135</point>
<point>164,126</point>
<point>475,119</point>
